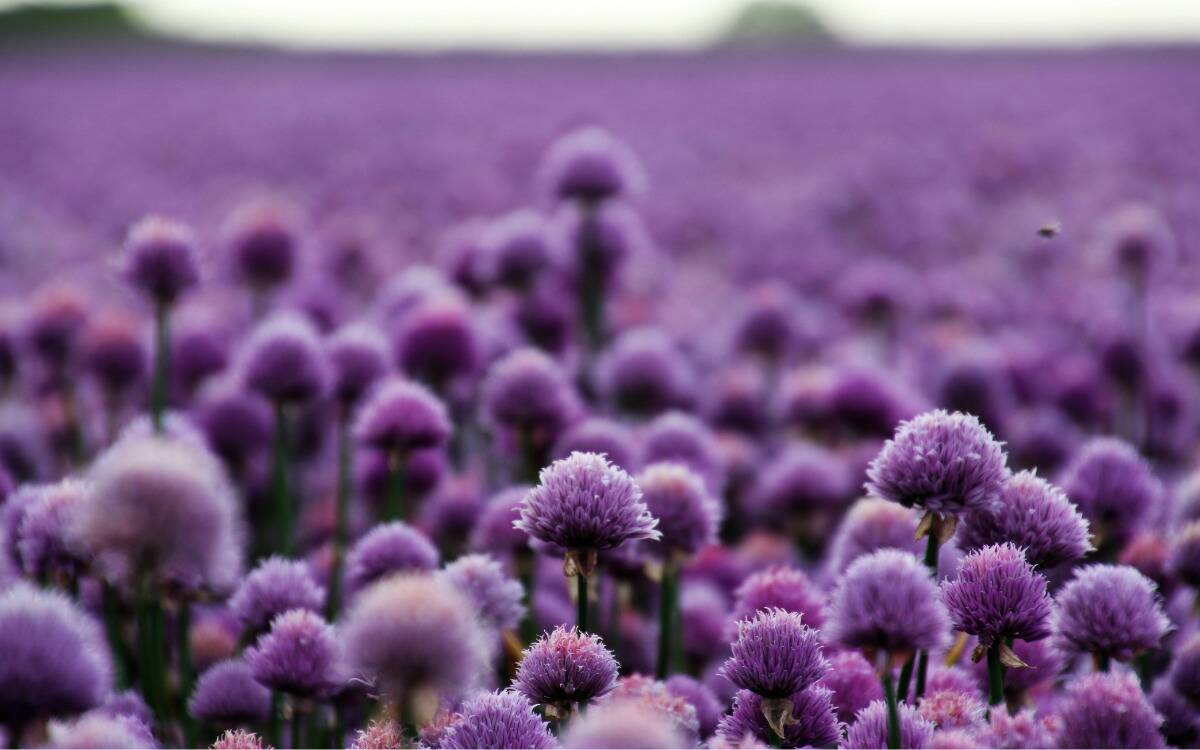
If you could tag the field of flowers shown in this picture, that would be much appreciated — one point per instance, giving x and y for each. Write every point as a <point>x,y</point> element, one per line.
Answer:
<point>824,399</point>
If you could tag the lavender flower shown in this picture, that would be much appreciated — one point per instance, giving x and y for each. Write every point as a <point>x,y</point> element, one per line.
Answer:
<point>114,354</point>
<point>681,438</point>
<point>887,601</point>
<point>503,719</point>
<point>300,655</point>
<point>274,587</point>
<point>1108,710</point>
<point>998,595</point>
<point>97,729</point>
<point>402,417</point>
<point>261,237</point>
<point>1021,730</point>
<point>590,165</point>
<point>386,620</point>
<point>688,516</point>
<point>871,524</point>
<point>775,656</point>
<point>1185,670</point>
<point>623,724</point>
<point>566,667</point>
<point>940,462</point>
<point>358,358</point>
<point>951,709</point>
<point>283,360</point>
<point>1034,515</point>
<point>1181,721</point>
<point>643,374</point>
<point>1109,611</point>
<point>386,549</point>
<point>43,536</point>
<point>528,392</point>
<point>598,435</point>
<point>497,598</point>
<point>853,682</point>
<point>55,660</point>
<point>159,258</point>
<point>708,709</point>
<point>520,247</point>
<point>814,720</point>
<point>436,343</point>
<point>237,739</point>
<point>1113,486</point>
<point>802,480</point>
<point>870,728</point>
<point>783,588</point>
<point>237,424</point>
<point>227,694</point>
<point>495,532</point>
<point>654,695</point>
<point>1185,555</point>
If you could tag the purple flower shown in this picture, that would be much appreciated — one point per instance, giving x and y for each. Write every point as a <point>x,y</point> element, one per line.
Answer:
<point>358,357</point>
<point>600,435</point>
<point>199,350</point>
<point>163,506</point>
<point>951,709</point>
<point>1110,611</point>
<point>98,729</point>
<point>853,682</point>
<point>298,655</point>
<point>1108,709</point>
<point>775,655</point>
<point>590,165</point>
<point>1113,486</point>
<point>1185,555</point>
<point>585,503</point>
<point>261,237</point>
<point>401,417</point>
<point>379,735</point>
<point>1022,730</point>
<point>236,423</point>
<point>887,600</point>
<point>529,393</point>
<point>519,246</point>
<point>601,239</point>
<point>703,618</point>
<point>870,729</point>
<point>803,479</point>
<point>59,311</point>
<point>654,695</point>
<point>623,724</point>
<point>389,618</point>
<point>565,667</point>
<point>494,530</point>
<point>1185,670</point>
<point>436,342</point>
<point>283,360</point>
<point>868,403</point>
<point>55,662</point>
<point>688,515</point>
<point>643,373</point>
<point>871,524</point>
<point>274,587</point>
<point>1181,720</point>
<point>43,534</point>
<point>1034,515</point>
<point>502,719</point>
<point>388,548</point>
<point>497,598</point>
<point>940,462</point>
<point>682,438</point>
<point>238,739</point>
<point>113,351</point>
<point>227,695</point>
<point>998,595</point>
<point>783,588</point>
<point>1140,241</point>
<point>708,709</point>
<point>959,679</point>
<point>815,720</point>
<point>768,325</point>
<point>159,258</point>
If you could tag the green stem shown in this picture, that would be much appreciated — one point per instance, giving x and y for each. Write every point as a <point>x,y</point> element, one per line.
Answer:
<point>281,468</point>
<point>906,673</point>
<point>893,710</point>
<point>931,562</point>
<point>995,674</point>
<point>275,722</point>
<point>395,506</point>
<point>531,464</point>
<point>297,737</point>
<point>591,292</point>
<point>162,365</point>
<point>112,628</point>
<point>1103,662</point>
<point>333,602</point>
<point>581,604</point>
<point>668,609</point>
<point>183,626</point>
<point>525,569</point>
<point>150,646</point>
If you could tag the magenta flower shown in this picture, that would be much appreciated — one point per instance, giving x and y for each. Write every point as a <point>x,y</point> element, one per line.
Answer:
<point>998,595</point>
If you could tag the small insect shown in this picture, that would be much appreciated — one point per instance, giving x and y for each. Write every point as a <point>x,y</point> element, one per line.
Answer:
<point>1050,230</point>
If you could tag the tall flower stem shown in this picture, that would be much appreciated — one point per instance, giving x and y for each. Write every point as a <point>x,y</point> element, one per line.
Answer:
<point>906,673</point>
<point>526,570</point>
<point>995,674</point>
<point>581,591</point>
<point>275,722</point>
<point>150,646</point>
<point>183,626</point>
<point>162,365</point>
<point>395,506</point>
<point>591,290</point>
<point>112,628</point>
<point>298,738</point>
<point>668,610</point>
<point>281,469</point>
<point>1102,662</point>
<point>931,562</point>
<point>893,710</point>
<point>531,462</point>
<point>333,600</point>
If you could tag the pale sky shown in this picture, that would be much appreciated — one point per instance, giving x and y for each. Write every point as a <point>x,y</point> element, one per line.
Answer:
<point>674,24</point>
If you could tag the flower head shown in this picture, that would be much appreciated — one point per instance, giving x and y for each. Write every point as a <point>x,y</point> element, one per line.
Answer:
<point>300,654</point>
<point>1034,515</point>
<point>387,619</point>
<point>113,351</point>
<point>1021,730</point>
<point>496,596</point>
<point>262,243</point>
<point>1113,486</point>
<point>494,530</point>
<point>159,258</point>
<point>590,165</point>
<point>55,660</point>
<point>238,739</point>
<point>775,655</point>
<point>565,667</point>
<point>803,479</point>
<point>98,729</point>
<point>1109,610</point>
<point>386,549</point>
<point>585,503</point>
<point>871,524</point>
<point>502,719</point>
<point>436,342</point>
<point>528,392</point>
<point>1185,555</point>
<point>227,695</point>
<point>784,588</point>
<point>358,357</point>
<point>870,728</point>
<point>682,438</point>
<point>1185,670</point>
<point>623,724</point>
<point>998,595</point>
<point>520,247</point>
<point>1108,709</point>
<point>599,435</point>
<point>702,700</point>
<point>688,515</point>
<point>643,373</point>
<point>886,600</point>
<point>814,719</point>
<point>940,462</point>
<point>283,360</point>
<point>853,682</point>
<point>951,709</point>
<point>401,417</point>
<point>43,536</point>
<point>274,587</point>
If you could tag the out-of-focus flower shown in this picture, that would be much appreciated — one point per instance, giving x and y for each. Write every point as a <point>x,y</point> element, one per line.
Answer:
<point>402,417</point>
<point>814,720</point>
<point>622,724</point>
<point>1108,710</point>
<point>688,515</point>
<point>274,587</point>
<point>283,360</point>
<point>1110,611</point>
<point>590,165</point>
<point>300,655</point>
<point>853,682</point>
<point>1034,515</point>
<point>1113,486</point>
<point>358,358</point>
<point>497,598</point>
<point>227,694</point>
<point>870,728</point>
<point>783,588</point>
<point>160,258</point>
<point>388,548</point>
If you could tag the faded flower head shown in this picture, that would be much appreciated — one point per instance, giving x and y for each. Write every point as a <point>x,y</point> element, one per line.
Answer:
<point>951,709</point>
<point>227,695</point>
<point>623,724</point>
<point>1185,555</point>
<point>1108,709</point>
<point>940,462</point>
<point>998,595</point>
<point>854,683</point>
<point>688,515</point>
<point>1113,486</point>
<point>887,601</point>
<point>388,548</point>
<point>529,393</point>
<point>497,598</point>
<point>870,728</point>
<point>358,358</point>
<point>591,165</point>
<point>780,587</point>
<point>274,587</point>
<point>42,538</point>
<point>237,739</point>
<point>1109,610</point>
<point>283,359</point>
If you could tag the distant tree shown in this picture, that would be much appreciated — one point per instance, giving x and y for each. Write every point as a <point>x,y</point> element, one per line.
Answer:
<point>776,22</point>
<point>36,21</point>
